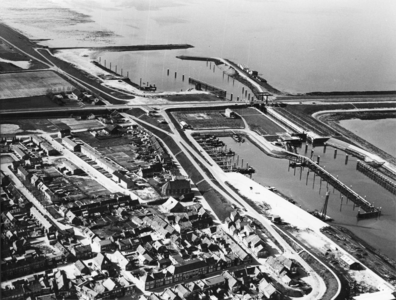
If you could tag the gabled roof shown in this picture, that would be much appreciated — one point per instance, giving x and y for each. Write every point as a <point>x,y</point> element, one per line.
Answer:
<point>176,184</point>
<point>172,205</point>
<point>80,265</point>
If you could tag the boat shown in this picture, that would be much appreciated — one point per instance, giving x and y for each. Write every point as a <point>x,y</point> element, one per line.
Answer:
<point>237,138</point>
<point>321,216</point>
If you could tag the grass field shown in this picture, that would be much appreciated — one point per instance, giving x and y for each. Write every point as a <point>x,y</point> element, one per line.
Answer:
<point>30,126</point>
<point>259,122</point>
<point>10,53</point>
<point>207,119</point>
<point>79,124</point>
<point>27,84</point>
<point>27,102</point>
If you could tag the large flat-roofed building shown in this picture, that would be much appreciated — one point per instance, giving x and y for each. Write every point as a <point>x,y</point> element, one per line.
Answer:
<point>48,149</point>
<point>70,144</point>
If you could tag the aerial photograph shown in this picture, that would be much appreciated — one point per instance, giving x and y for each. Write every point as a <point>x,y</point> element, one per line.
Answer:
<point>198,149</point>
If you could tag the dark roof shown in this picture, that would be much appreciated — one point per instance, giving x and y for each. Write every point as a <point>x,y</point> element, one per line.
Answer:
<point>177,184</point>
<point>188,266</point>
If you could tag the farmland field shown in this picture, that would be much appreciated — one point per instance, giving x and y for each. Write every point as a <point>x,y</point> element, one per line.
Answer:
<point>207,119</point>
<point>27,84</point>
<point>259,122</point>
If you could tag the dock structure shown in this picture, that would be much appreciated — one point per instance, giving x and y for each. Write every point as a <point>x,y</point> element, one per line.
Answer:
<point>207,87</point>
<point>376,176</point>
<point>199,58</point>
<point>370,211</point>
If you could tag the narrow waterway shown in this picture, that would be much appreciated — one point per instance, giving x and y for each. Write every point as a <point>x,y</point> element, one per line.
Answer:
<point>310,195</point>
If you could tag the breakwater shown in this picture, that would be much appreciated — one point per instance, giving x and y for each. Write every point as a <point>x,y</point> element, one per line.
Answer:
<point>129,48</point>
<point>376,176</point>
<point>199,58</point>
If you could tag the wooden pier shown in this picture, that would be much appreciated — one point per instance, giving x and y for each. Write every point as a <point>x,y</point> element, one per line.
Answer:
<point>376,176</point>
<point>369,210</point>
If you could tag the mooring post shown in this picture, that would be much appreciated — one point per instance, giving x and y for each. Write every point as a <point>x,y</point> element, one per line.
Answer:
<point>306,182</point>
<point>312,152</point>
<point>318,159</point>
<point>346,159</point>
<point>183,78</point>
<point>167,72</point>
<point>341,205</point>
<point>313,184</point>
<point>175,74</point>
<point>242,163</point>
<point>324,148</point>
<point>300,172</point>
<point>306,148</point>
<point>335,153</point>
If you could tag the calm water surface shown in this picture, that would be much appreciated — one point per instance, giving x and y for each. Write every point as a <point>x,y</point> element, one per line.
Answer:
<point>381,133</point>
<point>298,46</point>
<point>270,171</point>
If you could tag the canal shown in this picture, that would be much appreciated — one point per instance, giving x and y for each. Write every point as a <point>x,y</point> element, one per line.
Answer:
<point>310,195</point>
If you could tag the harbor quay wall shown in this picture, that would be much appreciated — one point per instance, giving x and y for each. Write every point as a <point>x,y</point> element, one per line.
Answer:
<point>376,176</point>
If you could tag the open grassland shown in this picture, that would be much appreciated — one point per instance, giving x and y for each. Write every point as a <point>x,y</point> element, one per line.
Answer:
<point>27,84</point>
<point>27,102</point>
<point>207,119</point>
<point>30,126</point>
<point>257,121</point>
<point>8,52</point>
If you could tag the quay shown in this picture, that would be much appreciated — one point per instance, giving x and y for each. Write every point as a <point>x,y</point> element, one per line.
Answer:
<point>207,87</point>
<point>369,210</point>
<point>376,176</point>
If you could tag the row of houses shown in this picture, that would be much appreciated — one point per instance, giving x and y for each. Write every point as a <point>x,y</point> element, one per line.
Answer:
<point>44,145</point>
